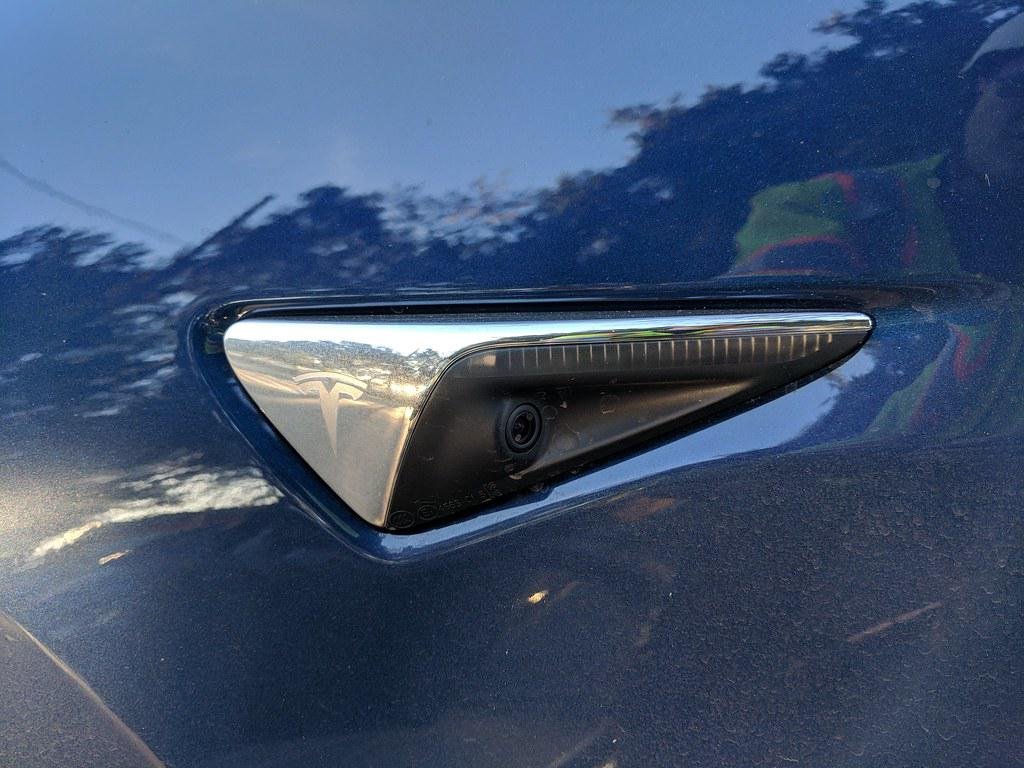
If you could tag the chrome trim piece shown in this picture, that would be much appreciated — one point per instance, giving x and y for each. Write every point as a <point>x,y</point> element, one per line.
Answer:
<point>346,393</point>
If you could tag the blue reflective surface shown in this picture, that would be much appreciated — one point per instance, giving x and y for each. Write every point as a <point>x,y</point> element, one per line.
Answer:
<point>832,577</point>
<point>241,100</point>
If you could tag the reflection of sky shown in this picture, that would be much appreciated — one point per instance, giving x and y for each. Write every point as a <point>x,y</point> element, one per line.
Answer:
<point>181,120</point>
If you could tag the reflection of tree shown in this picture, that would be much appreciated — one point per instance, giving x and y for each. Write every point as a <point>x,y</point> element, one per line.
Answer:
<point>91,331</point>
<point>670,213</point>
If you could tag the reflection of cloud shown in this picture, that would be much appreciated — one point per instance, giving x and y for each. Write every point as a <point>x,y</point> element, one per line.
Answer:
<point>113,410</point>
<point>174,491</point>
<point>809,404</point>
<point>260,153</point>
<point>21,413</point>
<point>153,260</point>
<point>178,300</point>
<point>15,259</point>
<point>486,217</point>
<point>859,365</point>
<point>113,556</point>
<point>342,162</point>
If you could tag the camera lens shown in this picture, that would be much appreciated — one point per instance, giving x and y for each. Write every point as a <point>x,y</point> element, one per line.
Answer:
<point>522,428</point>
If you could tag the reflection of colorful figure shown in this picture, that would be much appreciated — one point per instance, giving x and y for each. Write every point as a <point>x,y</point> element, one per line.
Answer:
<point>942,399</point>
<point>873,222</point>
<point>941,216</point>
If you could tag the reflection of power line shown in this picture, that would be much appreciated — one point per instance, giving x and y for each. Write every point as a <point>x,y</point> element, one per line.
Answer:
<point>232,225</point>
<point>92,210</point>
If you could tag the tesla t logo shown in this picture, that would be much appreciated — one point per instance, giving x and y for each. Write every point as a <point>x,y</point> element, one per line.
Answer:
<point>331,389</point>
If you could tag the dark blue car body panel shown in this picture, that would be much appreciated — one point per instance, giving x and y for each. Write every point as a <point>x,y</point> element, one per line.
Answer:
<point>832,577</point>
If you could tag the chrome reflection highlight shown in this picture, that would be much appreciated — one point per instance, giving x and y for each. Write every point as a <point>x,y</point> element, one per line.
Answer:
<point>349,394</point>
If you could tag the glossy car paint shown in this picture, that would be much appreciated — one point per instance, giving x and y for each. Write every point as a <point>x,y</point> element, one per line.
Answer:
<point>832,577</point>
